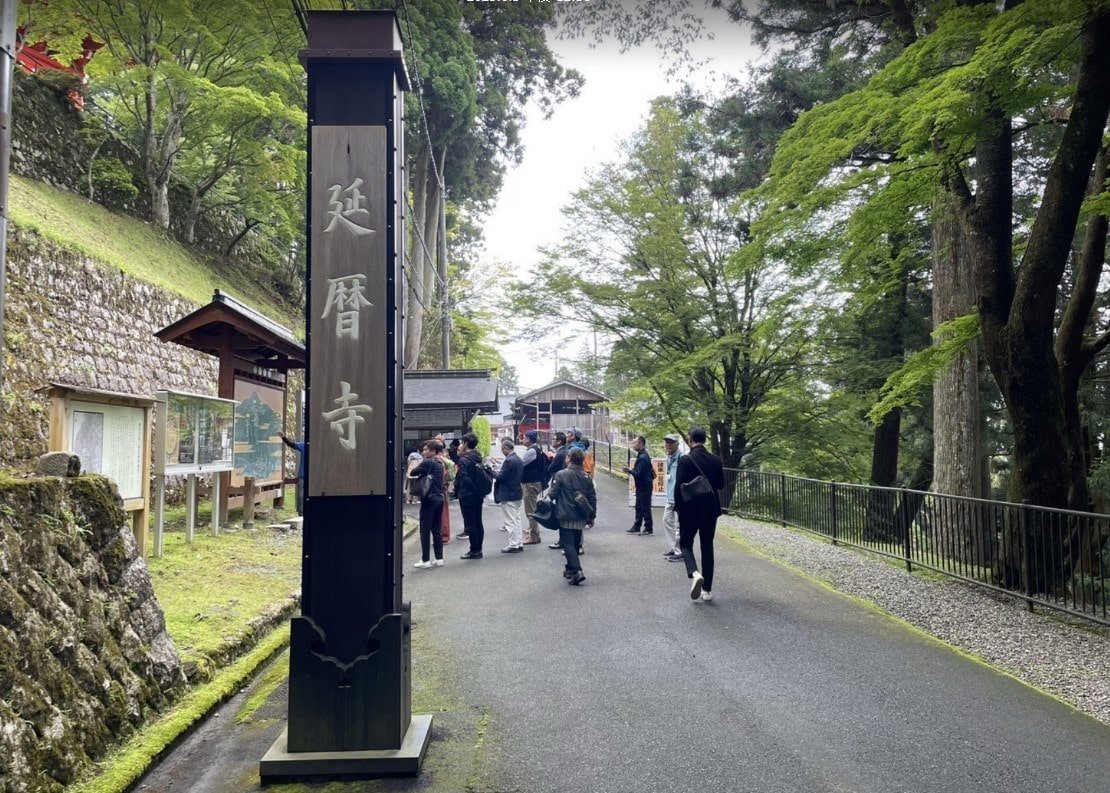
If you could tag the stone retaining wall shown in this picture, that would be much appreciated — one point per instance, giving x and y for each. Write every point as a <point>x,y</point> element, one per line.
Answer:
<point>70,319</point>
<point>84,654</point>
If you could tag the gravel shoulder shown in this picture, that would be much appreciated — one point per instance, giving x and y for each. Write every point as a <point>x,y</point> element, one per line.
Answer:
<point>1064,658</point>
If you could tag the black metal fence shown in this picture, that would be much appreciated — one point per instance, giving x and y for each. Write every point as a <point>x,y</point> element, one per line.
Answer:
<point>1050,557</point>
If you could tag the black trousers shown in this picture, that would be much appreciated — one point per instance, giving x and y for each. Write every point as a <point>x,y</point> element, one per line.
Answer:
<point>471,509</point>
<point>705,532</point>
<point>431,526</point>
<point>643,508</point>
<point>572,541</point>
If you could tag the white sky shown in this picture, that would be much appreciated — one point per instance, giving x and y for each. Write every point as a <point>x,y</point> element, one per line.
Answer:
<point>582,134</point>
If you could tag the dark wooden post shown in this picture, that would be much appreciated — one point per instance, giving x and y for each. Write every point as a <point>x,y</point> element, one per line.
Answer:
<point>248,502</point>
<point>350,658</point>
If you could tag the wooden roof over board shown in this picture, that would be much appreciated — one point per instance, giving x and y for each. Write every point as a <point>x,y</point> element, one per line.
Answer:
<point>254,336</point>
<point>450,388</point>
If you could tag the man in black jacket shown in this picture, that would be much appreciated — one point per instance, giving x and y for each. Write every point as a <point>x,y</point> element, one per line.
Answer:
<point>470,491</point>
<point>558,463</point>
<point>698,515</point>
<point>643,474</point>
<point>535,472</point>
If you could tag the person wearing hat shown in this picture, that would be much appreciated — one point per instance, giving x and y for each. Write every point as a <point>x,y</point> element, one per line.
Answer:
<point>643,474</point>
<point>535,471</point>
<point>670,517</point>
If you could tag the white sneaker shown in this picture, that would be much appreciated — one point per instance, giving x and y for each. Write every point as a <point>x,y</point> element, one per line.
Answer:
<point>695,588</point>
<point>422,565</point>
<point>437,563</point>
<point>706,596</point>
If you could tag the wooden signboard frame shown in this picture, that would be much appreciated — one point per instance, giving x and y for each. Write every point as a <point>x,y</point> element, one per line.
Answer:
<point>68,400</point>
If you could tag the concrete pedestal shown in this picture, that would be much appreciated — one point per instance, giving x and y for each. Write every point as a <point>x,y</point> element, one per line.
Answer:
<point>281,765</point>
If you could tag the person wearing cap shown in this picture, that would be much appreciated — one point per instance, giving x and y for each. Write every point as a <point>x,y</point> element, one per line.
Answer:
<point>643,474</point>
<point>670,517</point>
<point>698,516</point>
<point>535,471</point>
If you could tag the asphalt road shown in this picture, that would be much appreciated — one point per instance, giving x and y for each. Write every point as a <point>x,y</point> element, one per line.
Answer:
<point>625,684</point>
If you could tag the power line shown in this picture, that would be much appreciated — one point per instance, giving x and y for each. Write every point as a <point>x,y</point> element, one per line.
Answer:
<point>420,100</point>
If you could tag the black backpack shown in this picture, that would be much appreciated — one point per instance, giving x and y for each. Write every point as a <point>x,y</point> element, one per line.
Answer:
<point>483,479</point>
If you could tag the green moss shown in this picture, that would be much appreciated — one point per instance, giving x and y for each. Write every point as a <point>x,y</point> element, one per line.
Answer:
<point>262,688</point>
<point>125,766</point>
<point>212,589</point>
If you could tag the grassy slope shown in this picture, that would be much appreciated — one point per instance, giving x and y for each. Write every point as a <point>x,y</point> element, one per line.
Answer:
<point>213,588</point>
<point>129,244</point>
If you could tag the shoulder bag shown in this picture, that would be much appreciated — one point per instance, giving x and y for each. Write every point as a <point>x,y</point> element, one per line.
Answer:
<point>699,486</point>
<point>421,486</point>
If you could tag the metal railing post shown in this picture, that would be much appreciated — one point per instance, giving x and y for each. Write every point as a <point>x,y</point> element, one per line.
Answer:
<point>782,495</point>
<point>833,510</point>
<point>907,542</point>
<point>1026,554</point>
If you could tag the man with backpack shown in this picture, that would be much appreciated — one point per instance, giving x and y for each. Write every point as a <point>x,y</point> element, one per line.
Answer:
<point>472,485</point>
<point>643,474</point>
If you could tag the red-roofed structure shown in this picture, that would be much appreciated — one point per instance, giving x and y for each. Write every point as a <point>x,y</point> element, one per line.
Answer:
<point>35,58</point>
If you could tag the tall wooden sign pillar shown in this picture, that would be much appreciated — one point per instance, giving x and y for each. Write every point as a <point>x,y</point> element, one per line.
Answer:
<point>349,665</point>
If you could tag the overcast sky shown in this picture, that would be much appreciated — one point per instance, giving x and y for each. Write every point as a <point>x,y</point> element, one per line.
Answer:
<point>582,134</point>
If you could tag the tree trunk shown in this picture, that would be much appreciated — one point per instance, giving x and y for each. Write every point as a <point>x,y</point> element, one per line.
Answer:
<point>433,200</point>
<point>1017,316</point>
<point>414,315</point>
<point>957,439</point>
<point>444,294</point>
<point>1074,355</point>
<point>890,344</point>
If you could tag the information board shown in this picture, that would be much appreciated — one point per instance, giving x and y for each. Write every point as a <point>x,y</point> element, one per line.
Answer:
<point>195,434</point>
<point>658,487</point>
<point>258,422</point>
<point>109,441</point>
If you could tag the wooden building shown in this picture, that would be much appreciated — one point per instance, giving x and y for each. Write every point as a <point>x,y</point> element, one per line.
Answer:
<point>560,405</point>
<point>442,402</point>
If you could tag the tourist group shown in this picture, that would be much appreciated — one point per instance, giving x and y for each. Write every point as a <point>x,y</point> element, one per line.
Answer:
<point>559,488</point>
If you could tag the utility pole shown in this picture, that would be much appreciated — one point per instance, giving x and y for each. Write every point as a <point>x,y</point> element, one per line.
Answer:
<point>7,64</point>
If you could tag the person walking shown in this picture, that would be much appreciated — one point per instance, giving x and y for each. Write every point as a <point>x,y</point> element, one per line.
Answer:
<point>471,491</point>
<point>643,474</point>
<point>670,517</point>
<point>532,478</point>
<point>431,505</point>
<point>557,464</point>
<point>576,509</point>
<point>697,515</point>
<point>508,491</point>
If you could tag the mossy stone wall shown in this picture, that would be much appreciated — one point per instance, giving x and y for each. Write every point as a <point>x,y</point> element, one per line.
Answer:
<point>84,654</point>
<point>69,319</point>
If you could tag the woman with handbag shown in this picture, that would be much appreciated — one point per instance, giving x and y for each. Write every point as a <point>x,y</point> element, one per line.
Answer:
<point>575,499</point>
<point>697,501</point>
<point>426,482</point>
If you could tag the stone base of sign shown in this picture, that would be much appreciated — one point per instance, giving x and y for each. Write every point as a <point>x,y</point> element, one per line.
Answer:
<point>279,764</point>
